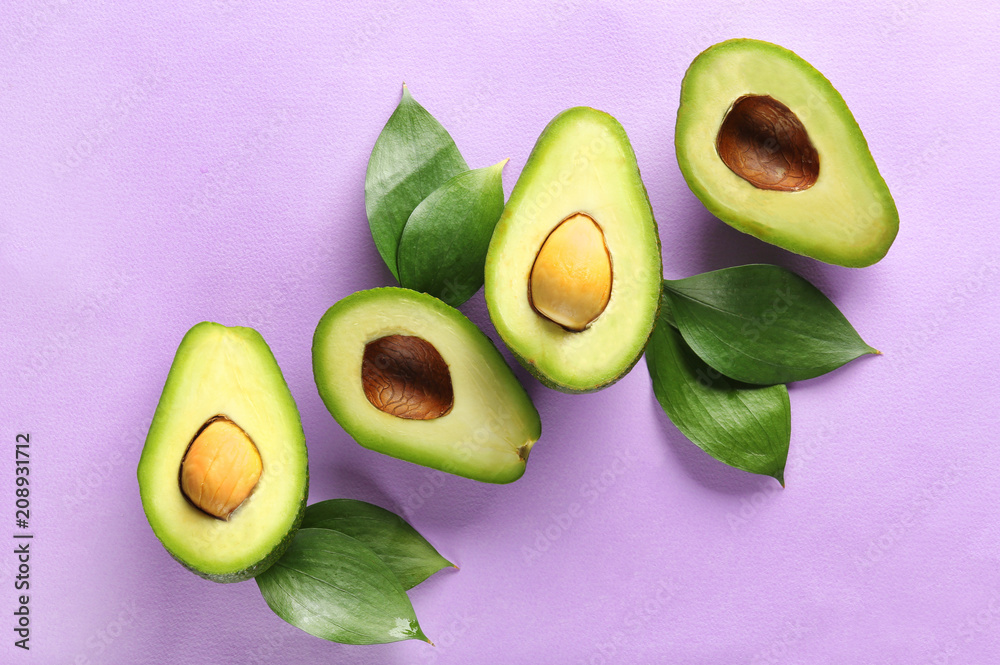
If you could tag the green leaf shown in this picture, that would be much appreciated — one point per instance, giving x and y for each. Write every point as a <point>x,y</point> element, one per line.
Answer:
<point>443,248</point>
<point>762,324</point>
<point>335,587</point>
<point>745,426</point>
<point>398,544</point>
<point>413,156</point>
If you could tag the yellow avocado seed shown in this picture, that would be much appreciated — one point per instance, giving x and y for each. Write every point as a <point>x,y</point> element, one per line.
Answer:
<point>571,279</point>
<point>221,468</point>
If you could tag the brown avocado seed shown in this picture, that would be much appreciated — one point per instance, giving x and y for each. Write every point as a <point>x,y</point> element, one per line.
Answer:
<point>762,141</point>
<point>406,377</point>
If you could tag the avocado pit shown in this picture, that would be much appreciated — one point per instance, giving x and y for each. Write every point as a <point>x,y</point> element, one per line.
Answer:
<point>406,377</point>
<point>220,468</point>
<point>762,141</point>
<point>570,281</point>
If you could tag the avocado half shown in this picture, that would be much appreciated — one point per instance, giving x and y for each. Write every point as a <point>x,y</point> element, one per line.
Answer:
<point>224,380</point>
<point>411,377</point>
<point>577,315</point>
<point>770,148</point>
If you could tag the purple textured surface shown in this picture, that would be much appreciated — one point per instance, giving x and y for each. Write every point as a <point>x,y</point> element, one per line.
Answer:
<point>165,163</point>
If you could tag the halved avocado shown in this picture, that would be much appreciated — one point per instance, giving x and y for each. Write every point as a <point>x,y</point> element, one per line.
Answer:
<point>770,147</point>
<point>409,376</point>
<point>224,474</point>
<point>573,271</point>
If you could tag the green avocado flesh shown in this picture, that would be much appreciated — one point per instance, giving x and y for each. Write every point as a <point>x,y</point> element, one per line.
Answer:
<point>582,163</point>
<point>228,372</point>
<point>770,147</point>
<point>409,376</point>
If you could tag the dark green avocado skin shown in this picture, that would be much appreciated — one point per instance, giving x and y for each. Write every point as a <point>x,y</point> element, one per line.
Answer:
<point>570,390</point>
<point>881,217</point>
<point>263,564</point>
<point>150,471</point>
<point>530,172</point>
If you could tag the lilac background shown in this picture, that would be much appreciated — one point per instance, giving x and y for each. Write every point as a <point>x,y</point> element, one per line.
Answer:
<point>164,163</point>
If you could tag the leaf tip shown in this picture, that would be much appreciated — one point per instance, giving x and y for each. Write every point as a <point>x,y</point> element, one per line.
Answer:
<point>497,169</point>
<point>780,477</point>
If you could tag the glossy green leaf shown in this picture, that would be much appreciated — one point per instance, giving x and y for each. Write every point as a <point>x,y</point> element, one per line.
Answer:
<point>443,248</point>
<point>398,544</point>
<point>335,587</point>
<point>413,156</point>
<point>762,324</point>
<point>743,425</point>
